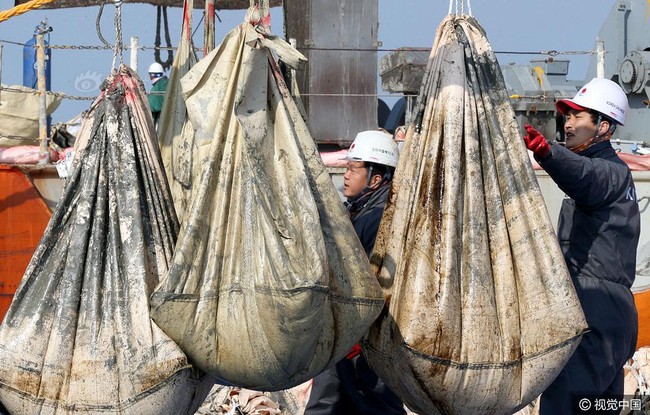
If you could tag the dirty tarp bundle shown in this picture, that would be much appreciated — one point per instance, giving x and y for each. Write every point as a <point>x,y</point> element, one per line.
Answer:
<point>267,266</point>
<point>78,336</point>
<point>175,131</point>
<point>482,313</point>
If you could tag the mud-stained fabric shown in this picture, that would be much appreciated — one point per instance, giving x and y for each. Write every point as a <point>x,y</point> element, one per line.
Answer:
<point>481,312</point>
<point>78,337</point>
<point>175,131</point>
<point>269,284</point>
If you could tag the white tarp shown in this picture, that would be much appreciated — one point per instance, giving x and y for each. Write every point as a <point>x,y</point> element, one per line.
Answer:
<point>175,131</point>
<point>19,113</point>
<point>269,284</point>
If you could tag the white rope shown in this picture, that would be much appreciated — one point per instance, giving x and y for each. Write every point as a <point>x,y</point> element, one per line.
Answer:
<point>454,7</point>
<point>117,49</point>
<point>636,372</point>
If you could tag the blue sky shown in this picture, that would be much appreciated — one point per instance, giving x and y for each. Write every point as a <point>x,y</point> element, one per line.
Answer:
<point>511,25</point>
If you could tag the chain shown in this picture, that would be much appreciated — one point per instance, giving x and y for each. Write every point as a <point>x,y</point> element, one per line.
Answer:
<point>91,47</point>
<point>55,94</point>
<point>9,42</point>
<point>504,52</point>
<point>71,97</point>
<point>80,47</point>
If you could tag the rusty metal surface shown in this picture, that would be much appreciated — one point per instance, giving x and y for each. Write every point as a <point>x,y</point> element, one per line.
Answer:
<point>401,71</point>
<point>220,4</point>
<point>339,87</point>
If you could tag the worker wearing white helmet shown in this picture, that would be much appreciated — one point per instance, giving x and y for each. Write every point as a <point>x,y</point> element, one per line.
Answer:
<point>375,155</point>
<point>372,159</point>
<point>351,387</point>
<point>156,70</point>
<point>159,86</point>
<point>598,231</point>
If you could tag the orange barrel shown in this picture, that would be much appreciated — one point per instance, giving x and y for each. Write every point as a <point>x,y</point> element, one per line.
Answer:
<point>23,218</point>
<point>642,301</point>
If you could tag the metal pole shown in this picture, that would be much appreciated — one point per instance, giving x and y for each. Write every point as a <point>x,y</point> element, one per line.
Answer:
<point>600,58</point>
<point>1,45</point>
<point>134,54</point>
<point>44,153</point>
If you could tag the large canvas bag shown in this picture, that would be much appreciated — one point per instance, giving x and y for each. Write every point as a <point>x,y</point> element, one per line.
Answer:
<point>175,131</point>
<point>481,313</point>
<point>269,283</point>
<point>78,337</point>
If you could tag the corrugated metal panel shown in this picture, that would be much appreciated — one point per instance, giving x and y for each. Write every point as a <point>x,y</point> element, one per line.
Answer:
<point>339,87</point>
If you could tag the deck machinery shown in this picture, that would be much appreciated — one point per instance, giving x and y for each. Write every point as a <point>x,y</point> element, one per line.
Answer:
<point>534,88</point>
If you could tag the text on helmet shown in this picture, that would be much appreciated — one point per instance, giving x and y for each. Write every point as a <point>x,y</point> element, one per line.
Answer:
<point>381,150</point>
<point>611,104</point>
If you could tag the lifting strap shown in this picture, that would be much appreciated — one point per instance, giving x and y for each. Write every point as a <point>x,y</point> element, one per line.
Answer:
<point>460,10</point>
<point>170,52</point>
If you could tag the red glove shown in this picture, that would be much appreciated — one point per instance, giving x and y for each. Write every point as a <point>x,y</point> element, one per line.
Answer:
<point>536,142</point>
<point>356,351</point>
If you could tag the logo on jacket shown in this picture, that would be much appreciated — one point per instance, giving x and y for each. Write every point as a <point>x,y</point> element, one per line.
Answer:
<point>631,194</point>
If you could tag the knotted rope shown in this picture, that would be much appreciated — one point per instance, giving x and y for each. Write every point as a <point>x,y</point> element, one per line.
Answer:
<point>22,8</point>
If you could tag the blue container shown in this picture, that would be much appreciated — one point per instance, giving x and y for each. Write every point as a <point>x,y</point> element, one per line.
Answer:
<point>30,66</point>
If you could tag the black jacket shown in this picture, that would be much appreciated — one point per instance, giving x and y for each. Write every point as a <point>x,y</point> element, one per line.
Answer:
<point>365,213</point>
<point>599,222</point>
<point>598,231</point>
<point>351,386</point>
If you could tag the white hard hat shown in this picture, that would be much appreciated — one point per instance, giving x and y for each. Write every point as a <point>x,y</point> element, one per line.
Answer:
<point>156,68</point>
<point>601,95</point>
<point>374,146</point>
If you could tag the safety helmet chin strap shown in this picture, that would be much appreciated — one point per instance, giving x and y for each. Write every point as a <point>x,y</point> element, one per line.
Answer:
<point>371,170</point>
<point>597,138</point>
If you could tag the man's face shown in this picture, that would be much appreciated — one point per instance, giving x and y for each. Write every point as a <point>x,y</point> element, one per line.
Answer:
<point>578,127</point>
<point>354,179</point>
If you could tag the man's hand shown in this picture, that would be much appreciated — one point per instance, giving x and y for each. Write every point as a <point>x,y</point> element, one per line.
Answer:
<point>536,142</point>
